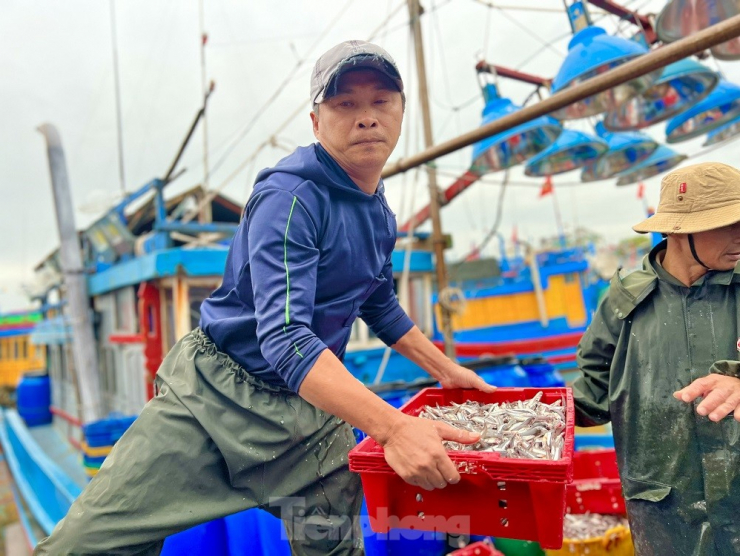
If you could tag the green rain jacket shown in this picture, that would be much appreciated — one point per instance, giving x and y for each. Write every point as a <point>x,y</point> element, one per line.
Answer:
<point>680,472</point>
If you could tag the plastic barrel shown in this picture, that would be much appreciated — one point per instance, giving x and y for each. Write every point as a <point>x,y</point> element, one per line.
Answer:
<point>34,399</point>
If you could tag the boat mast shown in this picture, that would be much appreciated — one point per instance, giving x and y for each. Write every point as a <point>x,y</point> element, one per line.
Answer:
<point>75,281</point>
<point>438,240</point>
<point>117,88</point>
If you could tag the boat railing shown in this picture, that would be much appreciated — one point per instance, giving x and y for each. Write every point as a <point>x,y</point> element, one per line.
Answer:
<point>69,425</point>
<point>46,490</point>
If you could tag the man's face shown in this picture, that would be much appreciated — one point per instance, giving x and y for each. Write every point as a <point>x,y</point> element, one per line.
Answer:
<point>360,125</point>
<point>719,249</point>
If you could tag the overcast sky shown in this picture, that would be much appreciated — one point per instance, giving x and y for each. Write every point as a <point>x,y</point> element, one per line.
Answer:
<point>56,66</point>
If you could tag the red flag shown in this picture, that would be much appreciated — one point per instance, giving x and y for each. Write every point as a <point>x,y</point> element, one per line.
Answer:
<point>514,235</point>
<point>204,38</point>
<point>640,190</point>
<point>474,254</point>
<point>547,187</point>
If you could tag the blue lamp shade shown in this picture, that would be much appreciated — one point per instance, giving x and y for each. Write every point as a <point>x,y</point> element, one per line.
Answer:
<point>572,150</point>
<point>662,160</point>
<point>515,145</point>
<point>592,52</point>
<point>681,18</point>
<point>721,106</point>
<point>723,133</point>
<point>681,85</point>
<point>625,151</point>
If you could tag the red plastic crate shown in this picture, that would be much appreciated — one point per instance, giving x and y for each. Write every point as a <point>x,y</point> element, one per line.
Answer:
<point>476,549</point>
<point>503,497</point>
<point>596,487</point>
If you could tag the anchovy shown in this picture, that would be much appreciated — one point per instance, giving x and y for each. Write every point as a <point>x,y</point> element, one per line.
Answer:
<point>527,429</point>
<point>590,526</point>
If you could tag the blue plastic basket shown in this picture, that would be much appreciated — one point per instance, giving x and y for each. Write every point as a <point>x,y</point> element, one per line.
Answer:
<point>543,374</point>
<point>506,376</point>
<point>106,432</point>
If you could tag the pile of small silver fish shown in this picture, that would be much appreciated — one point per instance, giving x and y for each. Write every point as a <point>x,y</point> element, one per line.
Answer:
<point>521,430</point>
<point>590,526</point>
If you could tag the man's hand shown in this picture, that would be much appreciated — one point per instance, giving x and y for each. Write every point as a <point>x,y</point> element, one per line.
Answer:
<point>414,450</point>
<point>721,396</point>
<point>460,377</point>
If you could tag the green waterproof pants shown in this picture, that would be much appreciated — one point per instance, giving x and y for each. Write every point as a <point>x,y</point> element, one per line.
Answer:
<point>215,441</point>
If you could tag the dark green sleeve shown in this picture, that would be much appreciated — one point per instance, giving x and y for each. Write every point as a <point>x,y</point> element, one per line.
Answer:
<point>727,368</point>
<point>594,358</point>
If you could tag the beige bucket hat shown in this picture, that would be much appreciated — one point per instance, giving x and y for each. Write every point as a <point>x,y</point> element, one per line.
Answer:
<point>695,199</point>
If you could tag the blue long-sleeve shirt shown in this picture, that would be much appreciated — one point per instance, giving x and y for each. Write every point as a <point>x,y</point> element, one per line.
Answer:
<point>312,253</point>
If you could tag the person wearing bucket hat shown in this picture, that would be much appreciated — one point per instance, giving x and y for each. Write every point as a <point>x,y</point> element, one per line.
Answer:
<point>254,406</point>
<point>660,360</point>
<point>711,203</point>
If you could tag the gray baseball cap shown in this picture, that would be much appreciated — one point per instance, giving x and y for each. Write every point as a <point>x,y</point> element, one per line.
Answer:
<point>350,55</point>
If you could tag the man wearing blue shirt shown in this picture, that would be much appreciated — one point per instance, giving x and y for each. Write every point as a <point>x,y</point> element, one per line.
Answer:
<point>254,407</point>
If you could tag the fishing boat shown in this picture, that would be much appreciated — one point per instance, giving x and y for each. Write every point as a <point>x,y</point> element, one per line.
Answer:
<point>538,306</point>
<point>18,355</point>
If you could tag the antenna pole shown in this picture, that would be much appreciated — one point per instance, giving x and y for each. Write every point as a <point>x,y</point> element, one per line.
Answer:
<point>205,214</point>
<point>117,87</point>
<point>438,239</point>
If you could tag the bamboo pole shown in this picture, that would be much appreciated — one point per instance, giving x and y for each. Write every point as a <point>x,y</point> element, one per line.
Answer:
<point>658,58</point>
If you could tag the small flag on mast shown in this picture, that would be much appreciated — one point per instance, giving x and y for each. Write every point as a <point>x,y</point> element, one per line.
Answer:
<point>547,187</point>
<point>640,190</point>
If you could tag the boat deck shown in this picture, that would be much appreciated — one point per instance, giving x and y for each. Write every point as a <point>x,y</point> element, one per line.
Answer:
<point>61,452</point>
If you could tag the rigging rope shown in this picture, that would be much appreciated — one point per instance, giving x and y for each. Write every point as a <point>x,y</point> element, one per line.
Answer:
<point>453,300</point>
<point>260,112</point>
<point>519,8</point>
<point>496,223</point>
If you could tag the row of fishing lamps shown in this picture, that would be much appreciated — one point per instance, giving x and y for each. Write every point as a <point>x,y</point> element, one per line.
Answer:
<point>694,99</point>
